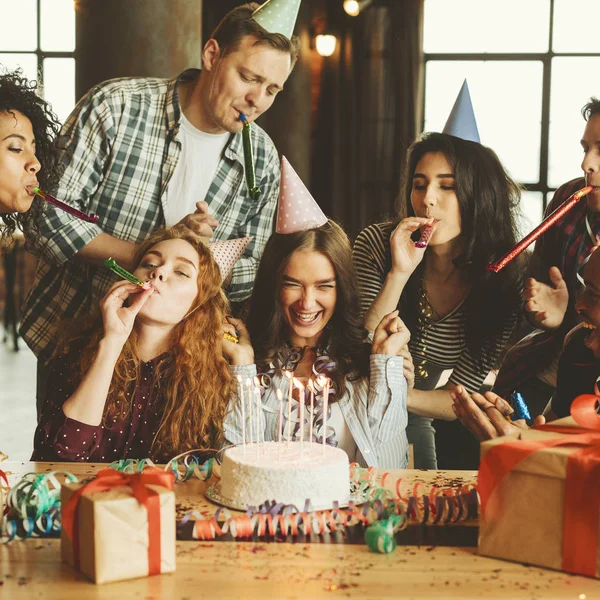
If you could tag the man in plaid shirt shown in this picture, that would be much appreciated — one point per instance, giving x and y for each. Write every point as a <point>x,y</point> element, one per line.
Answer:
<point>556,264</point>
<point>132,150</point>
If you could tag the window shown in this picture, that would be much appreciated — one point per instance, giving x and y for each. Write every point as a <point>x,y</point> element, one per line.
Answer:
<point>39,37</point>
<point>531,66</point>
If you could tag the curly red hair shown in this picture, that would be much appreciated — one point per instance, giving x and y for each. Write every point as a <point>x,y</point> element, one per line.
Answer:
<point>194,378</point>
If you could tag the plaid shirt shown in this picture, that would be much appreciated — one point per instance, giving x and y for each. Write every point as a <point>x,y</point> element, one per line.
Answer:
<point>566,246</point>
<point>119,153</point>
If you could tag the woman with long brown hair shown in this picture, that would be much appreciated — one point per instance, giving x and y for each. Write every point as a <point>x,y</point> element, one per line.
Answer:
<point>460,314</point>
<point>150,379</point>
<point>305,318</point>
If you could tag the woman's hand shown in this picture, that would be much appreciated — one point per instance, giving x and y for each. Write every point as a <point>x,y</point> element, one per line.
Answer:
<point>118,319</point>
<point>408,367</point>
<point>241,353</point>
<point>547,303</point>
<point>405,255</point>
<point>391,335</point>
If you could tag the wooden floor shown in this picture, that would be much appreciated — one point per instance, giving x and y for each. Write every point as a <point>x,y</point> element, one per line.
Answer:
<point>17,400</point>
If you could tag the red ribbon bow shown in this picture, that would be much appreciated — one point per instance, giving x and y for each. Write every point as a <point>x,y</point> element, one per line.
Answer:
<point>582,485</point>
<point>108,479</point>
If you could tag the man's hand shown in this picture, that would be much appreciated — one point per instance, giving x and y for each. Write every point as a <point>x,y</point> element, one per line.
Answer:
<point>485,417</point>
<point>547,304</point>
<point>201,222</point>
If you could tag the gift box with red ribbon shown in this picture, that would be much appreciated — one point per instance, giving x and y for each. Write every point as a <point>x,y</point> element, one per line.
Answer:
<point>120,526</point>
<point>540,493</point>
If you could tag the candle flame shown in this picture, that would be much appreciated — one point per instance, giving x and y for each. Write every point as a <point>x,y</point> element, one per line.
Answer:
<point>310,385</point>
<point>298,384</point>
<point>248,382</point>
<point>289,374</point>
<point>239,378</point>
<point>322,380</point>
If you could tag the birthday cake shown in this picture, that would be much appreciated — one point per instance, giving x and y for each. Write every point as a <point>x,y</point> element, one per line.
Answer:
<point>284,473</point>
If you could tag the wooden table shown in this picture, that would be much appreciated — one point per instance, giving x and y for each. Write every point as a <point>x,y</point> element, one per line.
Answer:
<point>32,569</point>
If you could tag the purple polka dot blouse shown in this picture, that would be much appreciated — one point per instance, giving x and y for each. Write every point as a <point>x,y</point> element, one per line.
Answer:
<point>58,438</point>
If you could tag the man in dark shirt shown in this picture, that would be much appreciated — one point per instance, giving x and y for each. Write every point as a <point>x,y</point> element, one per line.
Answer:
<point>578,369</point>
<point>551,294</point>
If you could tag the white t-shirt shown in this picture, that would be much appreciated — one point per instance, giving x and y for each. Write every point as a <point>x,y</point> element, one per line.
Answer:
<point>194,172</point>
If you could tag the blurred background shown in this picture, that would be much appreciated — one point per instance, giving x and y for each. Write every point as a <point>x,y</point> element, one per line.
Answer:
<point>345,120</point>
<point>372,75</point>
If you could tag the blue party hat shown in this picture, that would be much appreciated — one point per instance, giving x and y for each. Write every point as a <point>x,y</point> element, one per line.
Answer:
<point>461,123</point>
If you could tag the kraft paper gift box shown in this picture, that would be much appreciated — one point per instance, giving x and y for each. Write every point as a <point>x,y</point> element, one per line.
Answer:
<point>112,535</point>
<point>535,514</point>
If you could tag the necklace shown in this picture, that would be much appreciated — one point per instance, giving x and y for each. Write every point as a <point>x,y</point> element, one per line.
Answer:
<point>424,323</point>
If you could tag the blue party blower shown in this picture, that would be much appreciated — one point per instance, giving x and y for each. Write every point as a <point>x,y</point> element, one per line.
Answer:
<point>520,407</point>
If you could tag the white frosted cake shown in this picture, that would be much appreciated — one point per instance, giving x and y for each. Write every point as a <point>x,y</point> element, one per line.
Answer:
<point>281,474</point>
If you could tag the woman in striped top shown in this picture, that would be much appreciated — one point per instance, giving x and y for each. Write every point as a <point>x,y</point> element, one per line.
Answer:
<point>305,318</point>
<point>460,315</point>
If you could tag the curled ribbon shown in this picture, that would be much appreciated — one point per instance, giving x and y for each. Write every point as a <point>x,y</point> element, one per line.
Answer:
<point>33,506</point>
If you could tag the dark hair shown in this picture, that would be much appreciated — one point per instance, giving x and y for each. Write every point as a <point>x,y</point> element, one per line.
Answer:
<point>238,23</point>
<point>488,200</point>
<point>19,94</point>
<point>345,333</point>
<point>591,108</point>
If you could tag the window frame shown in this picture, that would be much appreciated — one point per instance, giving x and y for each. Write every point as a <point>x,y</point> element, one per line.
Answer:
<point>546,59</point>
<point>40,54</point>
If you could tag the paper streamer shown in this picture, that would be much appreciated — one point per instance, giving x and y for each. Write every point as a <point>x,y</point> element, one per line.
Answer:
<point>33,506</point>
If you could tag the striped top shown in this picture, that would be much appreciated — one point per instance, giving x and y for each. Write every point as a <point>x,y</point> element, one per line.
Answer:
<point>446,345</point>
<point>374,411</point>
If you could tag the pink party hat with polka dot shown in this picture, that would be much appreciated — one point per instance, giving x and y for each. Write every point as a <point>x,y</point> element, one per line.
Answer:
<point>297,209</point>
<point>227,252</point>
<point>278,16</point>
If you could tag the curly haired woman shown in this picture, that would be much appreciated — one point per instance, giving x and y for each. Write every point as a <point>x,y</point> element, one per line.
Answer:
<point>148,378</point>
<point>27,155</point>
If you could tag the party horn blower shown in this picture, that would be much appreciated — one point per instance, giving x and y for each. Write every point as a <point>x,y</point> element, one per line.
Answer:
<point>426,234</point>
<point>550,220</point>
<point>92,218</point>
<point>111,264</point>
<point>521,410</point>
<point>248,159</point>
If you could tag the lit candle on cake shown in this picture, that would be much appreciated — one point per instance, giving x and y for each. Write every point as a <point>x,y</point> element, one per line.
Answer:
<point>300,387</point>
<point>249,388</point>
<point>280,398</point>
<point>241,399</point>
<point>325,407</point>
<point>290,376</point>
<point>258,411</point>
<point>311,387</point>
